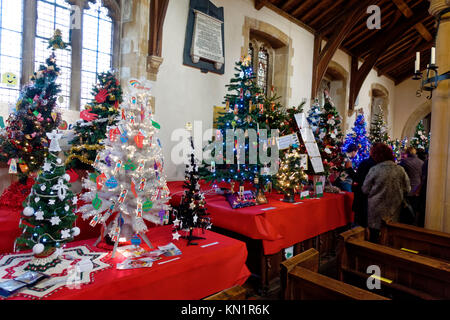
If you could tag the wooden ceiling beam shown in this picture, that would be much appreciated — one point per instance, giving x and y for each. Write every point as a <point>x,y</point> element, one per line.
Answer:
<point>408,56</point>
<point>384,42</point>
<point>407,12</point>
<point>325,12</point>
<point>330,24</point>
<point>300,8</point>
<point>259,4</point>
<point>322,57</point>
<point>288,5</point>
<point>315,10</point>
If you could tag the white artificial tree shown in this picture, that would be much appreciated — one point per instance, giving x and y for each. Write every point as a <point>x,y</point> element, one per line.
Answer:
<point>129,186</point>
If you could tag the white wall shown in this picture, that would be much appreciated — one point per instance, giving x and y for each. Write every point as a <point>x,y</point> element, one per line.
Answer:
<point>406,103</point>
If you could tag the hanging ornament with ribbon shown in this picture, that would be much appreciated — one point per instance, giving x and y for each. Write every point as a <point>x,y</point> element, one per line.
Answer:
<point>97,202</point>
<point>13,166</point>
<point>61,188</point>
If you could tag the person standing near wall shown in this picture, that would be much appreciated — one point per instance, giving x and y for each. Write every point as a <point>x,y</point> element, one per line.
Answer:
<point>386,185</point>
<point>413,167</point>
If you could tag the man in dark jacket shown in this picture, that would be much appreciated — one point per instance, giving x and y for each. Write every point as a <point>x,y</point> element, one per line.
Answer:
<point>413,167</point>
<point>360,199</point>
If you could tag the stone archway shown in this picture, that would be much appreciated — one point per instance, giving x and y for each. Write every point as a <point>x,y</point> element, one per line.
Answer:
<point>336,78</point>
<point>421,112</point>
<point>379,97</point>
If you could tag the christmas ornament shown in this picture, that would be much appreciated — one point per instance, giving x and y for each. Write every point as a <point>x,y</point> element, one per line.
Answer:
<point>28,211</point>
<point>139,139</point>
<point>88,116</point>
<point>111,183</point>
<point>97,202</point>
<point>147,205</point>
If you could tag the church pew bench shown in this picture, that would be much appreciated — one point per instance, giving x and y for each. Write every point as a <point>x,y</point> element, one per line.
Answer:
<point>416,240</point>
<point>404,275</point>
<point>233,293</point>
<point>300,280</point>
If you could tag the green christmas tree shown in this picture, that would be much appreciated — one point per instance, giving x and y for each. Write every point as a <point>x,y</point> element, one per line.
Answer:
<point>245,105</point>
<point>330,137</point>
<point>98,115</point>
<point>48,217</point>
<point>378,129</point>
<point>291,175</point>
<point>420,139</point>
<point>24,144</point>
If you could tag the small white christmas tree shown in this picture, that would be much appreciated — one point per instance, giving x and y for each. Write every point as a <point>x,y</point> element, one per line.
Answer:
<point>129,186</point>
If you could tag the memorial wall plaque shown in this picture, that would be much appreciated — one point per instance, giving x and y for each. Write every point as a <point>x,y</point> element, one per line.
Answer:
<point>204,46</point>
<point>207,40</point>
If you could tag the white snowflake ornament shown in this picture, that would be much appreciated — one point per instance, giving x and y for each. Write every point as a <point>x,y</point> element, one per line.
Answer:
<point>65,233</point>
<point>39,215</point>
<point>47,166</point>
<point>55,221</point>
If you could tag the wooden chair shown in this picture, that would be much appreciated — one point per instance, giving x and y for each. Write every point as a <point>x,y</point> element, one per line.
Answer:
<point>416,240</point>
<point>403,274</point>
<point>300,281</point>
<point>234,293</point>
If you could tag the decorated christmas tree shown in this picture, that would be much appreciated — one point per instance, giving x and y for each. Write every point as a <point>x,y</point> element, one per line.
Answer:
<point>314,117</point>
<point>245,106</point>
<point>359,138</point>
<point>378,129</point>
<point>25,144</point>
<point>191,214</point>
<point>397,147</point>
<point>290,176</point>
<point>330,137</point>
<point>420,140</point>
<point>129,185</point>
<point>48,217</point>
<point>98,115</point>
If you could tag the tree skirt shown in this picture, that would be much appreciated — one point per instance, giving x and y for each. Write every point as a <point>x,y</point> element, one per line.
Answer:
<point>65,274</point>
<point>16,194</point>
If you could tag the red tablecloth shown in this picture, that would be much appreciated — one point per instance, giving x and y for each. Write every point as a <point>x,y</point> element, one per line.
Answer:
<point>9,228</point>
<point>283,226</point>
<point>198,273</point>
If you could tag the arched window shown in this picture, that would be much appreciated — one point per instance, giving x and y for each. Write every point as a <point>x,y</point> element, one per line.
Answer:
<point>260,52</point>
<point>263,69</point>
<point>10,49</point>
<point>97,47</point>
<point>86,24</point>
<point>52,15</point>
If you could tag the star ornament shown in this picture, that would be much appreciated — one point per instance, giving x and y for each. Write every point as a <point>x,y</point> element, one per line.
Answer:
<point>192,205</point>
<point>176,222</point>
<point>55,221</point>
<point>176,236</point>
<point>47,166</point>
<point>65,234</point>
<point>195,218</point>
<point>52,201</point>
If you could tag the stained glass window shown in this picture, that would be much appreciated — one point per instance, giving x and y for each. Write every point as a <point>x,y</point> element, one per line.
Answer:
<point>52,15</point>
<point>97,47</point>
<point>263,69</point>
<point>11,31</point>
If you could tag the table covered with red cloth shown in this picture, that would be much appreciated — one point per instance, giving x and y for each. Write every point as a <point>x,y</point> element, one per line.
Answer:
<point>283,226</point>
<point>197,273</point>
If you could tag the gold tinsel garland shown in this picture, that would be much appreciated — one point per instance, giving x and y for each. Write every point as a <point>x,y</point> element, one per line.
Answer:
<point>83,158</point>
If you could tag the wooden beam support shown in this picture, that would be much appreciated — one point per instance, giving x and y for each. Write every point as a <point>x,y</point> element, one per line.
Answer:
<point>407,12</point>
<point>158,9</point>
<point>342,28</point>
<point>260,3</point>
<point>325,12</point>
<point>383,42</point>
<point>287,6</point>
<point>300,8</point>
<point>408,56</point>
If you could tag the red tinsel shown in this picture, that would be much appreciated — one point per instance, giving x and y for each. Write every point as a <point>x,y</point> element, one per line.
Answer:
<point>16,193</point>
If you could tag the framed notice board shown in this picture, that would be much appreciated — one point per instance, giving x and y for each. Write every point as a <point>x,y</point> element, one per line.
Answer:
<point>204,46</point>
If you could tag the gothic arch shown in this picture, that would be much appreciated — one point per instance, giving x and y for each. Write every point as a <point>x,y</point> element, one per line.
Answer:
<point>282,53</point>
<point>378,91</point>
<point>421,112</point>
<point>339,77</point>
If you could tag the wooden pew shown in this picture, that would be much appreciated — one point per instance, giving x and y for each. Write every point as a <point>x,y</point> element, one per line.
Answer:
<point>417,240</point>
<point>234,293</point>
<point>404,275</point>
<point>302,282</point>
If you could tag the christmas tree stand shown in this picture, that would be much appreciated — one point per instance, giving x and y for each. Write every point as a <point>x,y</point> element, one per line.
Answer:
<point>289,197</point>
<point>44,261</point>
<point>190,237</point>
<point>116,243</point>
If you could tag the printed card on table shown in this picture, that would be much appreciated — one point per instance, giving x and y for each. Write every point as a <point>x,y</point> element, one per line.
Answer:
<point>312,149</point>
<point>317,164</point>
<point>301,120</point>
